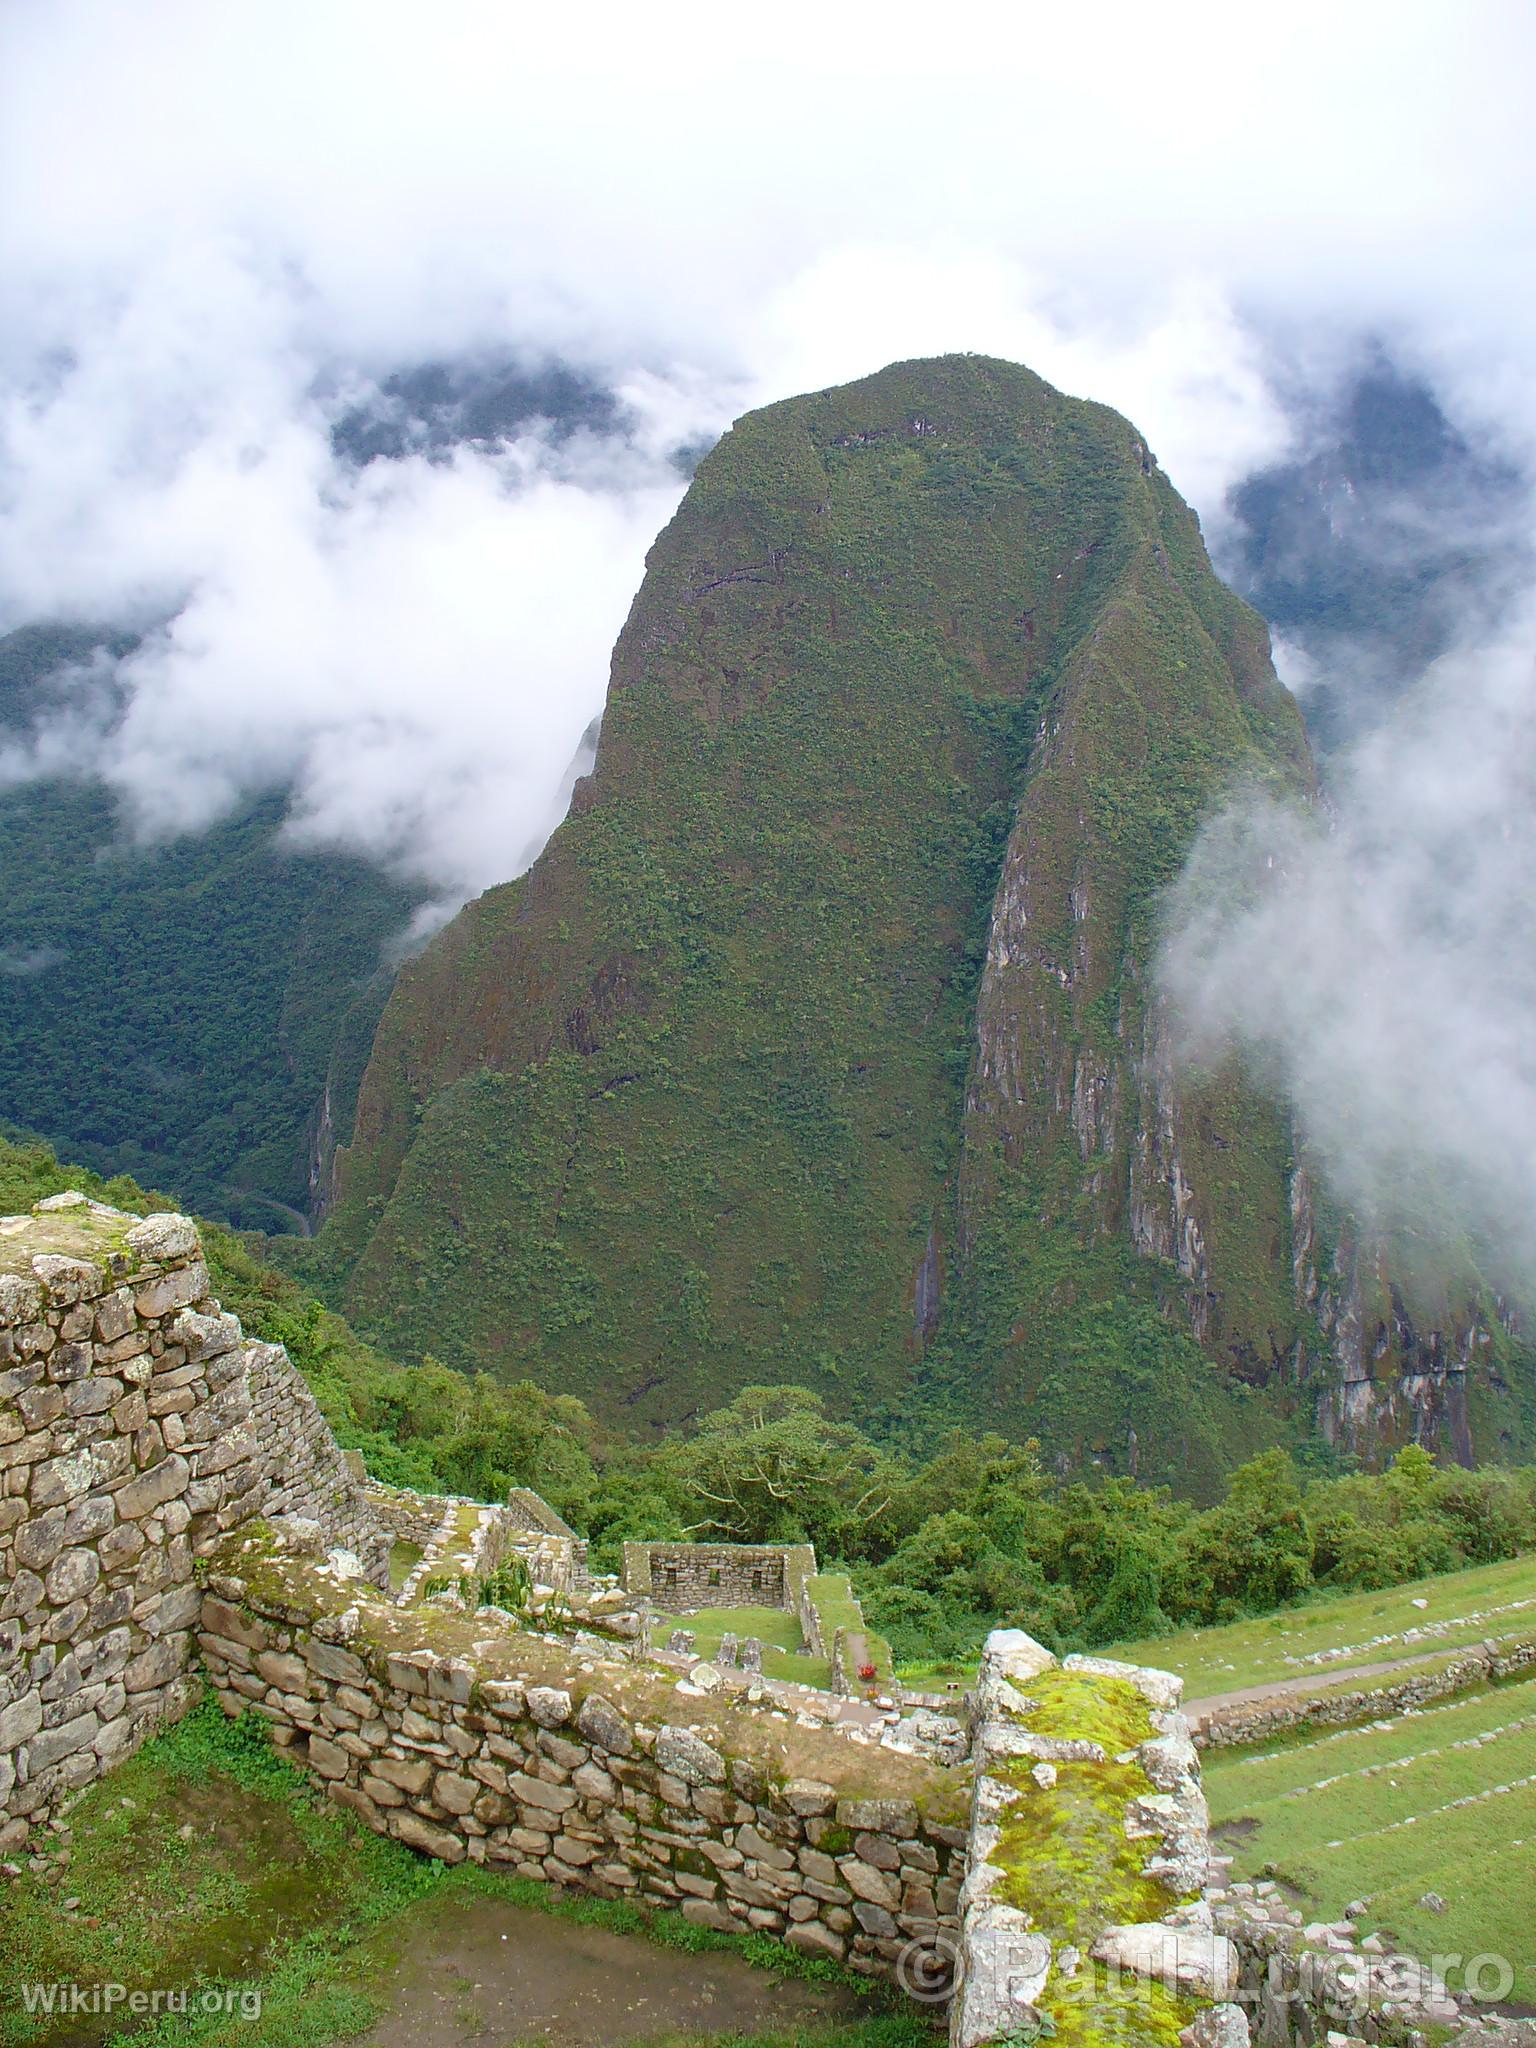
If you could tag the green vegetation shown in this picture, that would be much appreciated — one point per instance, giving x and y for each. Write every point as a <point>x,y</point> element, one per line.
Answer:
<point>684,1109</point>
<point>940,1549</point>
<point>206,1860</point>
<point>175,1011</point>
<point>1439,1801</point>
<point>1070,1865</point>
<point>1421,1618</point>
<point>779,1633</point>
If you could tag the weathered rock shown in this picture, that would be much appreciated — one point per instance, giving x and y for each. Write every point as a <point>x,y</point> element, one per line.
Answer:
<point>689,1757</point>
<point>605,1727</point>
<point>1183,1958</point>
<point>549,1705</point>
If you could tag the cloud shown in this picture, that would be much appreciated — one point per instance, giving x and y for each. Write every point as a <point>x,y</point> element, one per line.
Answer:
<point>227,226</point>
<point>1377,959</point>
<point>24,963</point>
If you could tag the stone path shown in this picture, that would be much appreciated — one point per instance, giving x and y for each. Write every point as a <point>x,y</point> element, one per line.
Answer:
<point>493,1975</point>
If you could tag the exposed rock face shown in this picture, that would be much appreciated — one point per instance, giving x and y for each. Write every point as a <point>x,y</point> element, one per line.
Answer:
<point>819,1044</point>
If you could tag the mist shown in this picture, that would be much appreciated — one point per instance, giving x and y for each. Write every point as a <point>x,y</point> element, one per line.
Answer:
<point>1375,958</point>
<point>228,231</point>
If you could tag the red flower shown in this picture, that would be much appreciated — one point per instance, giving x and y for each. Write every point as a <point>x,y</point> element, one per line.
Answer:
<point>866,1672</point>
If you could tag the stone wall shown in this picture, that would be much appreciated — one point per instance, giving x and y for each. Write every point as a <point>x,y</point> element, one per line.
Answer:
<point>678,1577</point>
<point>301,1469</point>
<point>1247,1721</point>
<point>469,1739</point>
<point>1083,1911</point>
<point>1300,1985</point>
<point>125,1441</point>
<point>556,1554</point>
<point>137,1427</point>
<point>403,1516</point>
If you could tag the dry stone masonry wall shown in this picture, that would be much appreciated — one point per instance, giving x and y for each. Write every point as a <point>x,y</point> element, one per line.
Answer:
<point>301,1469</point>
<point>136,1428</point>
<point>468,1740</point>
<point>679,1577</point>
<point>1248,1721</point>
<point>1083,1911</point>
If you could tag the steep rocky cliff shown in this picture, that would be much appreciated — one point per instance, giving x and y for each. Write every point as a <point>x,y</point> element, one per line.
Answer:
<point>819,1043</point>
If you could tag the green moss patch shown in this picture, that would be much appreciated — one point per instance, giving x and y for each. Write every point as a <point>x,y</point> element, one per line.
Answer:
<point>1069,1865</point>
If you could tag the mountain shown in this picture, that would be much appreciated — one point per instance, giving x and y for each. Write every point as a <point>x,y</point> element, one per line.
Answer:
<point>1375,543</point>
<point>197,1012</point>
<point>819,1044</point>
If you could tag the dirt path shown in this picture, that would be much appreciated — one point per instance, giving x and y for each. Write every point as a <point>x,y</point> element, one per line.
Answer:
<point>1312,1681</point>
<point>489,1975</point>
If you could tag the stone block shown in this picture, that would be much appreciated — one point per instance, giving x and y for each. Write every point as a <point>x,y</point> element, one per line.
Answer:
<point>157,1665</point>
<point>72,1575</point>
<point>54,1744</point>
<point>327,1758</point>
<point>114,1315</point>
<point>162,1482</point>
<point>549,1705</point>
<point>534,1792</point>
<point>21,1720</point>
<point>605,1727</point>
<point>160,1238</point>
<point>21,1299</point>
<point>41,1539</point>
<point>812,1938</point>
<point>418,1833</point>
<point>66,1280</point>
<point>153,1298</point>
<point>687,1757</point>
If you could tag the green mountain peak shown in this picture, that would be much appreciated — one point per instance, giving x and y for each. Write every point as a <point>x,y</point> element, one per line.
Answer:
<point>819,1044</point>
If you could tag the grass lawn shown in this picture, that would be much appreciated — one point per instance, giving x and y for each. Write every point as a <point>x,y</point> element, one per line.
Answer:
<point>207,1860</point>
<point>778,1632</point>
<point>1330,1634</point>
<point>403,1560</point>
<point>927,1674</point>
<point>1443,1800</point>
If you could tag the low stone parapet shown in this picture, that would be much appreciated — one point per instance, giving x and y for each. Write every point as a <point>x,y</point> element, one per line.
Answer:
<point>469,1739</point>
<point>1083,1912</point>
<point>1246,1722</point>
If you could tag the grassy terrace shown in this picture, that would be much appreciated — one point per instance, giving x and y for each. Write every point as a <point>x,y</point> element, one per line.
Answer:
<point>1329,1636</point>
<point>1438,1801</point>
<point>778,1632</point>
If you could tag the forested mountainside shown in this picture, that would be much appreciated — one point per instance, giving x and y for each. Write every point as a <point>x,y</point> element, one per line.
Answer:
<point>194,1012</point>
<point>819,1043</point>
<point>198,1012</point>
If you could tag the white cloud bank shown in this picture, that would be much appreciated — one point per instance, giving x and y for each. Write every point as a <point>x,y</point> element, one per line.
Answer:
<point>1379,960</point>
<point>213,212</point>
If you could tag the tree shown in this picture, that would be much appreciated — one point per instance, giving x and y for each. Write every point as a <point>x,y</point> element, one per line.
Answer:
<point>1252,1553</point>
<point>771,1468</point>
